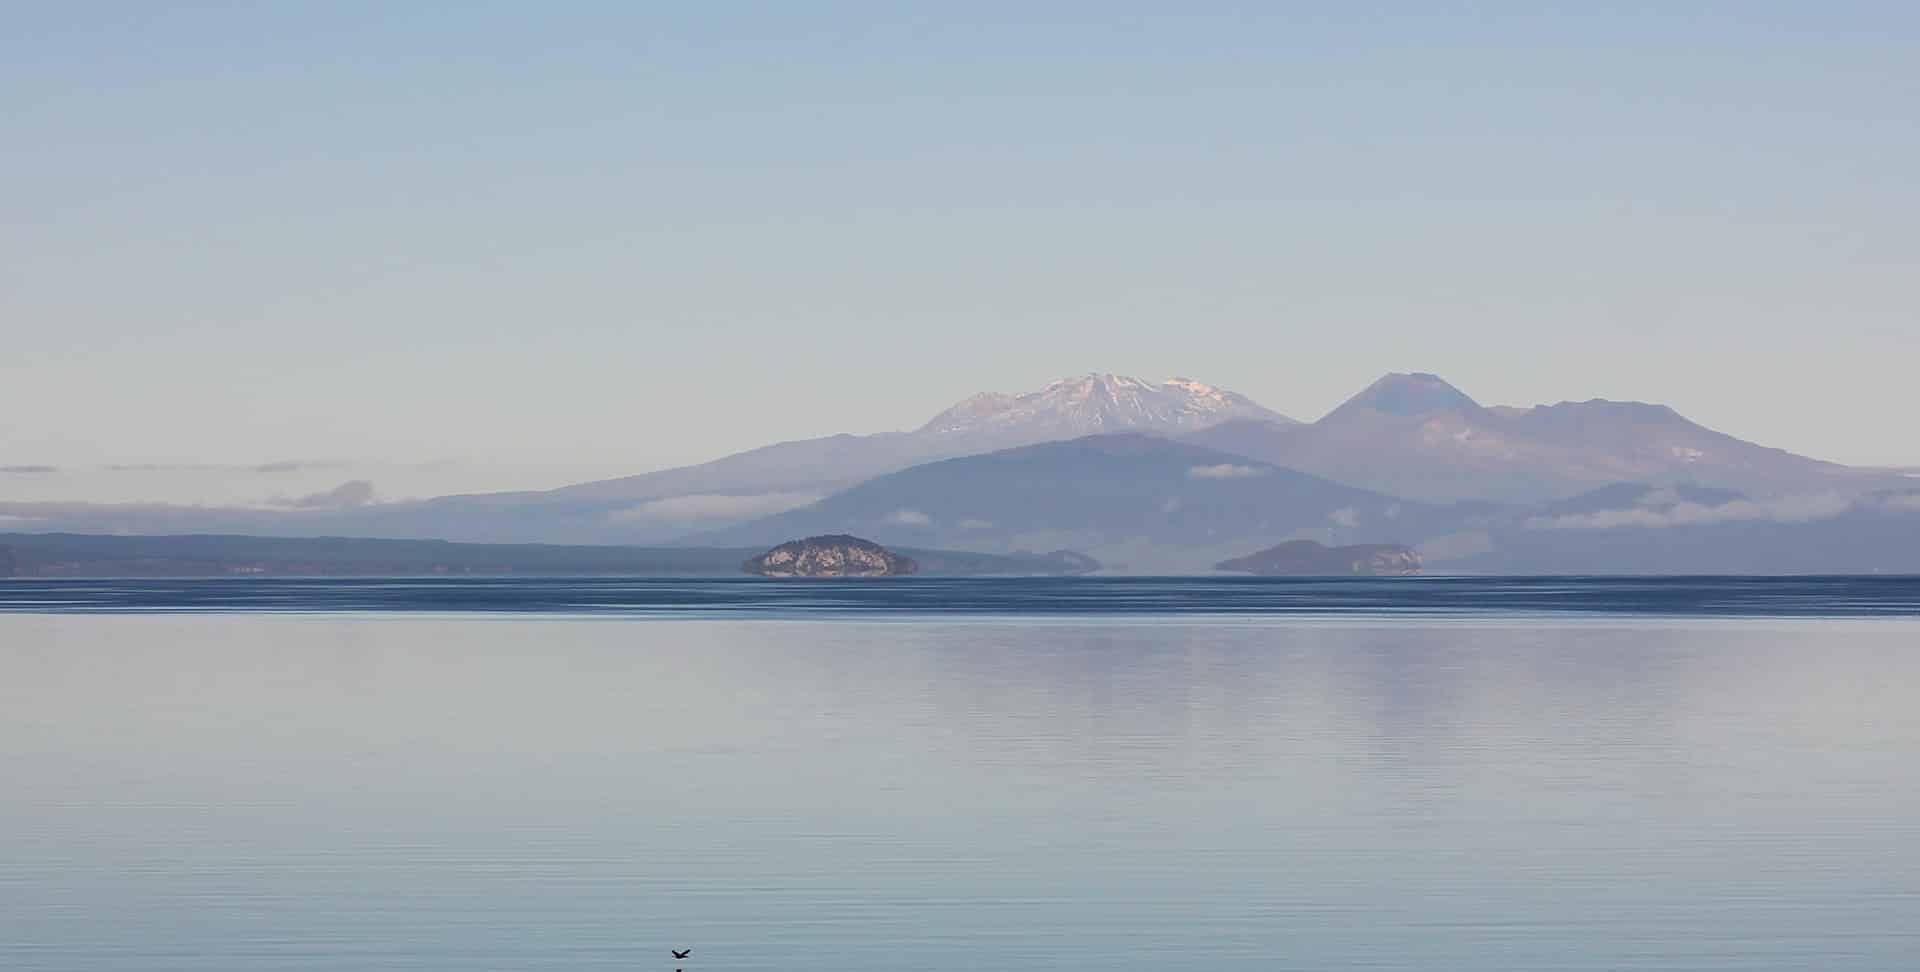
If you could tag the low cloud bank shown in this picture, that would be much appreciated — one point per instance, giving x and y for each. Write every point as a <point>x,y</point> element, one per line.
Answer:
<point>1225,470</point>
<point>701,507</point>
<point>280,466</point>
<point>1787,509</point>
<point>358,492</point>
<point>909,518</point>
<point>295,465</point>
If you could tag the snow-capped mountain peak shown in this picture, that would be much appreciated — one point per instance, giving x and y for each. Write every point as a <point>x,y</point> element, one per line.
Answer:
<point>1091,404</point>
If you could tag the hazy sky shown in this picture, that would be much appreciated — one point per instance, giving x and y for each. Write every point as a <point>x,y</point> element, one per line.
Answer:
<point>566,239</point>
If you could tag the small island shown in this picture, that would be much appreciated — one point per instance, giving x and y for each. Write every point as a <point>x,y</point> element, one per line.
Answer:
<point>1306,558</point>
<point>836,555</point>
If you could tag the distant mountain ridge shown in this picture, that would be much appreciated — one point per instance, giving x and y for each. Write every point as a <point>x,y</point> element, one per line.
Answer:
<point>1133,501</point>
<point>669,504</point>
<point>1064,409</point>
<point>1415,435</point>
<point>212,555</point>
<point>742,486</point>
<point>1409,442</point>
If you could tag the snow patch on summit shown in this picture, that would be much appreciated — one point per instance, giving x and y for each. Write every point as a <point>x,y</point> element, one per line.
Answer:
<point>1092,404</point>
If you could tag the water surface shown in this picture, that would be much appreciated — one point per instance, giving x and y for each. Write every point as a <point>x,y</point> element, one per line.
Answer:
<point>1213,789</point>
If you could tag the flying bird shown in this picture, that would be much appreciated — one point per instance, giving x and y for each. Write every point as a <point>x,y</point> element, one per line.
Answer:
<point>681,955</point>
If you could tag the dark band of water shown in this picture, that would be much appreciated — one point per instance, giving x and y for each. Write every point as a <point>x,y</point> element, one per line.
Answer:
<point>1757,597</point>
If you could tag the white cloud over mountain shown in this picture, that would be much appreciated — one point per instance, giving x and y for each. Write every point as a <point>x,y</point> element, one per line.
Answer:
<point>702,507</point>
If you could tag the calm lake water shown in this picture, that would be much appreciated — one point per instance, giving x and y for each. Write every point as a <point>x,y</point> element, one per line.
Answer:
<point>556,775</point>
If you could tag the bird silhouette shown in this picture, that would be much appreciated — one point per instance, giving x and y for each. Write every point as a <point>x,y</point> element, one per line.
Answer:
<point>681,955</point>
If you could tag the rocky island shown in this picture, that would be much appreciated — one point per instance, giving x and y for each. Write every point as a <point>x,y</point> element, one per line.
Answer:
<point>836,555</point>
<point>1306,558</point>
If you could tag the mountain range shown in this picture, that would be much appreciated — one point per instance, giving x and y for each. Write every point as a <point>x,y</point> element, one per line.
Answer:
<point>1139,500</point>
<point>1414,435</point>
<point>1175,476</point>
<point>1069,408</point>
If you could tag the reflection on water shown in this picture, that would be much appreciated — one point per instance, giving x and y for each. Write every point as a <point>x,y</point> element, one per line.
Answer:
<point>227,792</point>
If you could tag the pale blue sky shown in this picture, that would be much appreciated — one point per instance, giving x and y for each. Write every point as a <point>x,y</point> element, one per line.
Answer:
<point>604,237</point>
